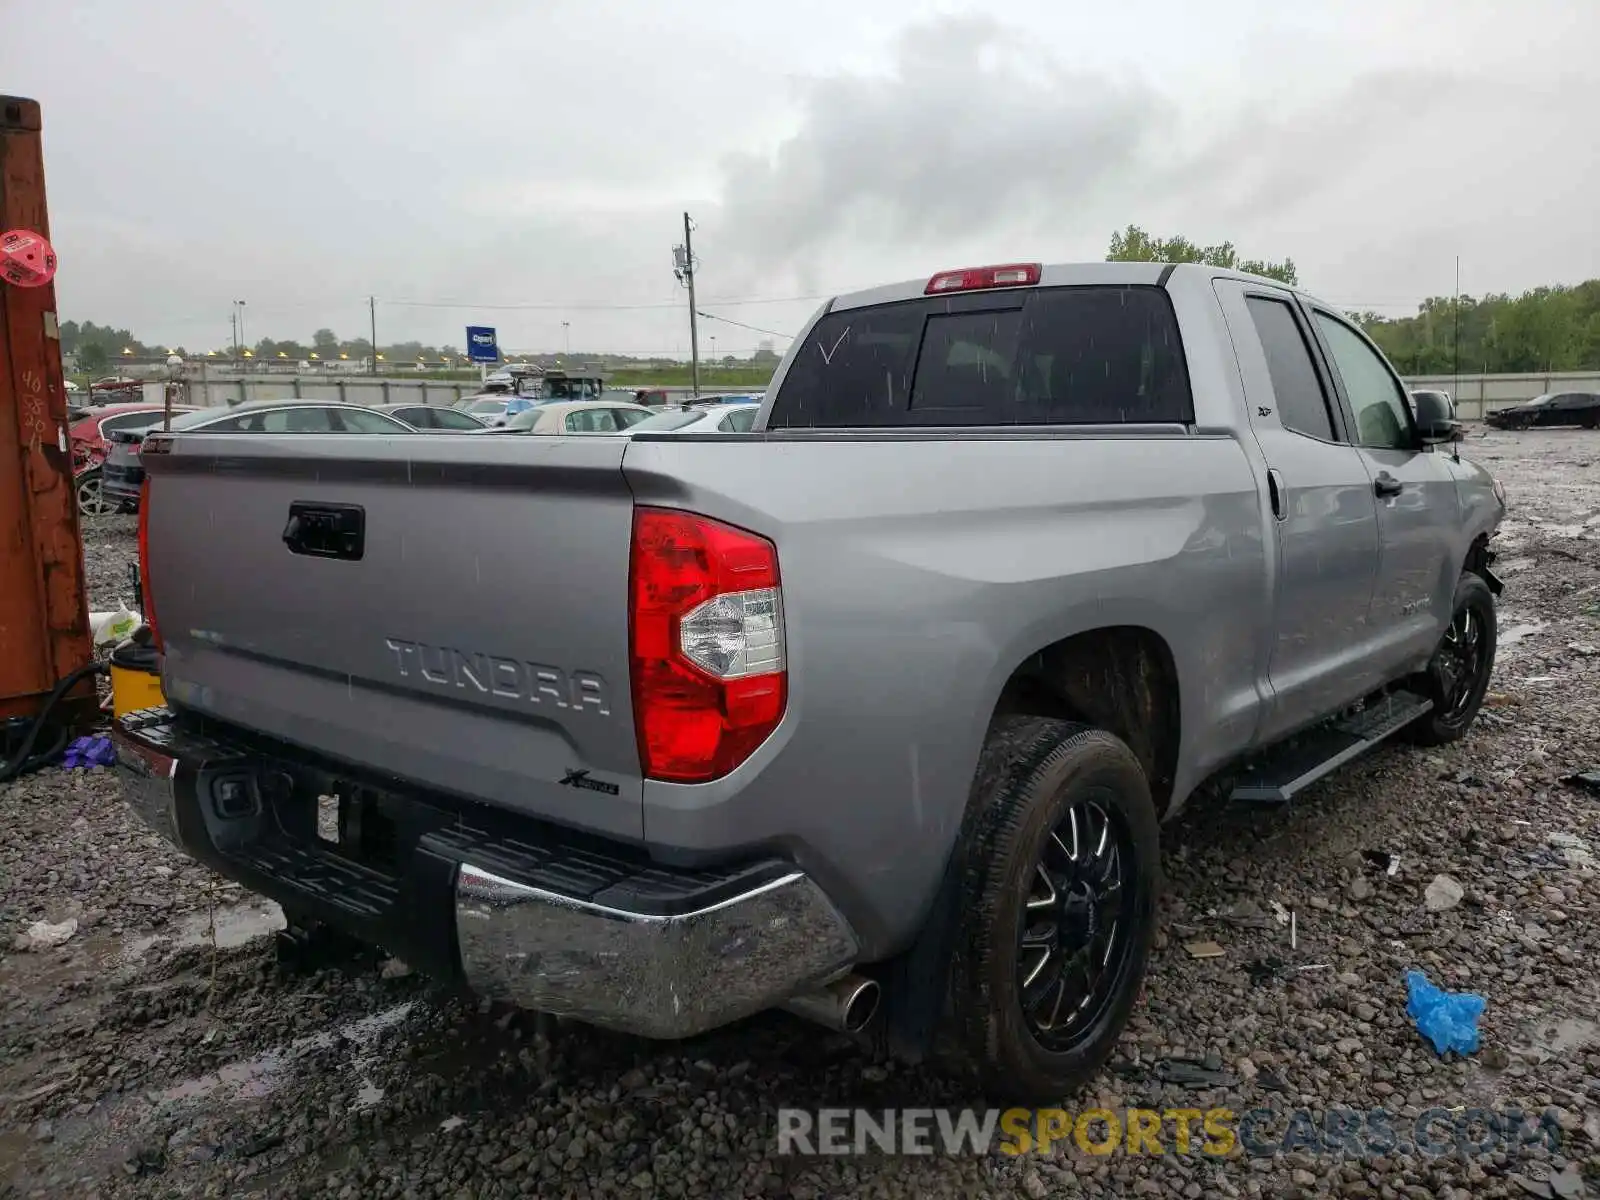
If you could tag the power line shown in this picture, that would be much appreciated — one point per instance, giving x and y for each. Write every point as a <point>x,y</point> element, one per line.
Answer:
<point>725,302</point>
<point>753,328</point>
<point>526,307</point>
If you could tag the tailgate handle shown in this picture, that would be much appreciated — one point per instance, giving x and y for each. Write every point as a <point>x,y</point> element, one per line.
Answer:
<point>326,530</point>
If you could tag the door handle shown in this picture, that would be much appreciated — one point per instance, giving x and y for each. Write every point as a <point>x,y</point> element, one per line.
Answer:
<point>326,530</point>
<point>1386,484</point>
<point>1275,493</point>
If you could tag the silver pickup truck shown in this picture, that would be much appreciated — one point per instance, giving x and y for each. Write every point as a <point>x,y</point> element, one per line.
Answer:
<point>874,712</point>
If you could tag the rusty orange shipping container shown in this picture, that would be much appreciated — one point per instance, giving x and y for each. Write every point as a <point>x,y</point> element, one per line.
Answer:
<point>44,618</point>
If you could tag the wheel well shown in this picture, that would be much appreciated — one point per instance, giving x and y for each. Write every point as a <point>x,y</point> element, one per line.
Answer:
<point>1121,679</point>
<point>1477,555</point>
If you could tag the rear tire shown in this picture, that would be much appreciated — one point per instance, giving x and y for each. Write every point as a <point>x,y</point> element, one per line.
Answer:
<point>92,500</point>
<point>1457,678</point>
<point>1059,881</point>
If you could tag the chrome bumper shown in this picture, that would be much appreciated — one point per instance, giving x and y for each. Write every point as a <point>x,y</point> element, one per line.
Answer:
<point>660,977</point>
<point>751,945</point>
<point>149,784</point>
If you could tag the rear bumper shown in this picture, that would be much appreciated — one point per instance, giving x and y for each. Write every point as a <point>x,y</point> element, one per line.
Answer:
<point>515,910</point>
<point>121,483</point>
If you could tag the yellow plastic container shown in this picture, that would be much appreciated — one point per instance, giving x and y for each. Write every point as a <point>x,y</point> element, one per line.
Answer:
<point>135,680</point>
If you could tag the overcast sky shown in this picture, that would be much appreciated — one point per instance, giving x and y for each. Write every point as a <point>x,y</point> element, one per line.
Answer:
<point>539,155</point>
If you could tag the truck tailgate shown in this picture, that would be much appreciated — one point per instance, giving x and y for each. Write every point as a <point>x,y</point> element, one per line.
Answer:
<point>473,637</point>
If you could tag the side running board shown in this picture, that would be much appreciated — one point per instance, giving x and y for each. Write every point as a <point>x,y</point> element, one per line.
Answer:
<point>1302,760</point>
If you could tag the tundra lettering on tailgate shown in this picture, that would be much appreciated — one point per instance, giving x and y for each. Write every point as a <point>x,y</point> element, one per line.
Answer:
<point>499,675</point>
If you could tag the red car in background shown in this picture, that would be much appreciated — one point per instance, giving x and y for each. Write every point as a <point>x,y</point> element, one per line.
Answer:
<point>89,446</point>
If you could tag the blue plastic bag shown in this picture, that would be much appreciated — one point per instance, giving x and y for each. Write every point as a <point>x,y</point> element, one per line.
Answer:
<point>1447,1019</point>
<point>86,752</point>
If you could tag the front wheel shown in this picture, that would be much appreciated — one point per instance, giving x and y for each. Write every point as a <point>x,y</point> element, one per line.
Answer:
<point>1059,885</point>
<point>1457,678</point>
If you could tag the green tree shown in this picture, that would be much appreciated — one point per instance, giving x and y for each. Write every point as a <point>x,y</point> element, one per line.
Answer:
<point>92,358</point>
<point>326,343</point>
<point>1135,245</point>
<point>1546,329</point>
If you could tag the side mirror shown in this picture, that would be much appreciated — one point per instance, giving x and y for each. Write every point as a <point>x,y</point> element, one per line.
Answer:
<point>1436,419</point>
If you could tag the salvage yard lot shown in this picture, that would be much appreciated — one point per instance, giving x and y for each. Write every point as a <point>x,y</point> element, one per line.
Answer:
<point>159,1053</point>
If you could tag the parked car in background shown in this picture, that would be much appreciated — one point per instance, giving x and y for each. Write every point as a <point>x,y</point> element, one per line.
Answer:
<point>891,703</point>
<point>90,432</point>
<point>123,472</point>
<point>515,377</point>
<point>714,398</point>
<point>90,429</point>
<point>1553,408</point>
<point>495,408</point>
<point>577,416</point>
<point>718,418</point>
<point>436,417</point>
<point>654,397</point>
<point>114,388</point>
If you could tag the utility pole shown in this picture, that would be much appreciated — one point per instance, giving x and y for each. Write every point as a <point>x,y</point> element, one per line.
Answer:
<point>235,321</point>
<point>372,312</point>
<point>1456,336</point>
<point>684,256</point>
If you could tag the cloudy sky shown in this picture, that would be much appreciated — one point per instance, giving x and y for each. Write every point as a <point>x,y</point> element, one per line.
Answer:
<point>521,164</point>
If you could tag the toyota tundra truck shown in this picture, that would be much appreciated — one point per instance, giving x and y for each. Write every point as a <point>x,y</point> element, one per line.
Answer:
<point>873,713</point>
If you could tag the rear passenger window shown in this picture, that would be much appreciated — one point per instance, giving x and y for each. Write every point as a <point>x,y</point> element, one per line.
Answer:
<point>356,420</point>
<point>1302,405</point>
<point>591,420</point>
<point>1044,356</point>
<point>297,420</point>
<point>128,421</point>
<point>242,424</point>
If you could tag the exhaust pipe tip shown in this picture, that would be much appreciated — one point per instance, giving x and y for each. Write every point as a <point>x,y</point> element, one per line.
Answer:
<point>859,1005</point>
<point>846,1006</point>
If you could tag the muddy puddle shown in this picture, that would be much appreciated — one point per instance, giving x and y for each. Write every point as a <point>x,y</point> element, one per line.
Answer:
<point>117,1130</point>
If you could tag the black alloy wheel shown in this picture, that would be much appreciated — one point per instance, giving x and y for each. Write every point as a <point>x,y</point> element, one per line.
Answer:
<point>1060,870</point>
<point>1077,924</point>
<point>1457,677</point>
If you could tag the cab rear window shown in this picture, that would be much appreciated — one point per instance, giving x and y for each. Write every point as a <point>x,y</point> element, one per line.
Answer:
<point>1040,356</point>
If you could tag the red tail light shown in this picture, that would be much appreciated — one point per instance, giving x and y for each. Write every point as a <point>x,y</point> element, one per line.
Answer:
<point>709,672</point>
<point>971,279</point>
<point>144,562</point>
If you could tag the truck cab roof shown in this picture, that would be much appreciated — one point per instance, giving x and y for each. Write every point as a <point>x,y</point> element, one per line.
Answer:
<point>1107,274</point>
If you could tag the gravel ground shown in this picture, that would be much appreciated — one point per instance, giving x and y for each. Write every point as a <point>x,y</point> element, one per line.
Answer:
<point>158,1052</point>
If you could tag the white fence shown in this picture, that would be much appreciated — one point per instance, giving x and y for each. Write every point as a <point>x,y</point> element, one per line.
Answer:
<point>207,389</point>
<point>1475,395</point>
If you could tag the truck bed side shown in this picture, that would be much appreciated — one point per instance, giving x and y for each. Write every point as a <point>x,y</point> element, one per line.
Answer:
<point>918,573</point>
